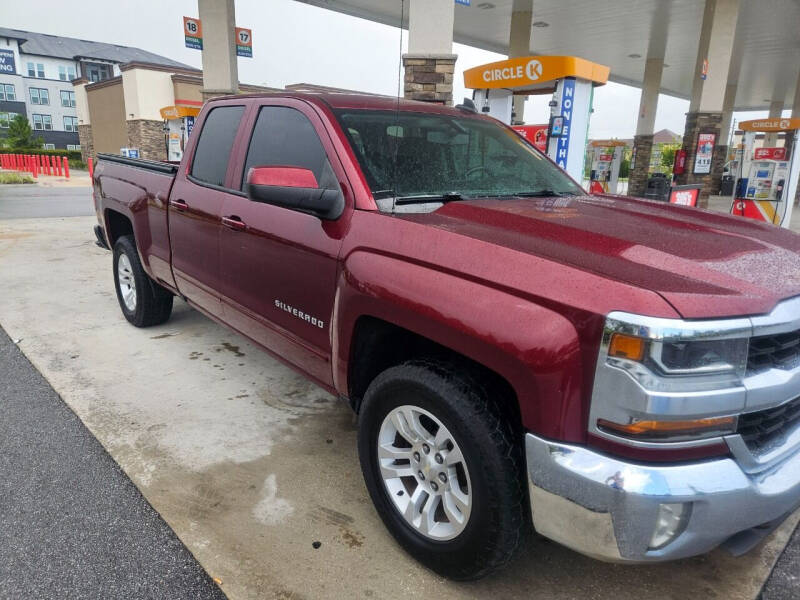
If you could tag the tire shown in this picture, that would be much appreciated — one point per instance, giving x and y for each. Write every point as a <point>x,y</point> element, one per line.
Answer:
<point>143,302</point>
<point>491,474</point>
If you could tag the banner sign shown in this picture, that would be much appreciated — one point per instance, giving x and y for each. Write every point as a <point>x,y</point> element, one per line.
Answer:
<point>244,42</point>
<point>685,195</point>
<point>193,33</point>
<point>535,134</point>
<point>7,66</point>
<point>705,151</point>
<point>769,154</point>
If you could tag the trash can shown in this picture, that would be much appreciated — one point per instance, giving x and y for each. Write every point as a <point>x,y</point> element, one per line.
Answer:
<point>657,187</point>
<point>726,187</point>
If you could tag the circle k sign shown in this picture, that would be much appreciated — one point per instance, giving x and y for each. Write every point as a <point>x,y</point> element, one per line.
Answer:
<point>532,71</point>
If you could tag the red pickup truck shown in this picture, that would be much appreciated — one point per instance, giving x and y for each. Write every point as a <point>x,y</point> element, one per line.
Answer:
<point>620,375</point>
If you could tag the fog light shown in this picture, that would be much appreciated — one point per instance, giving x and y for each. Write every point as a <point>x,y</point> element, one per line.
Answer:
<point>671,522</point>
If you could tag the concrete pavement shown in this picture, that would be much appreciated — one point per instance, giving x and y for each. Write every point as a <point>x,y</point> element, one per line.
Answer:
<point>249,463</point>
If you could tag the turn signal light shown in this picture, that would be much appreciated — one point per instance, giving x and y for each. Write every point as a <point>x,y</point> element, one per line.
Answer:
<point>626,346</point>
<point>668,429</point>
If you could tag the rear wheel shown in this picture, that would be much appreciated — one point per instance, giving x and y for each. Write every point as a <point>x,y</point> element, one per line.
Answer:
<point>443,468</point>
<point>142,300</point>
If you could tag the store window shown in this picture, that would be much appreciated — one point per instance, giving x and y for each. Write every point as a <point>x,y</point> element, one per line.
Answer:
<point>67,98</point>
<point>214,146</point>
<point>7,92</point>
<point>40,96</point>
<point>70,123</point>
<point>42,122</point>
<point>49,146</point>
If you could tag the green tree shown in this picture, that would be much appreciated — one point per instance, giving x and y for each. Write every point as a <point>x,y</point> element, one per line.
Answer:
<point>20,135</point>
<point>668,156</point>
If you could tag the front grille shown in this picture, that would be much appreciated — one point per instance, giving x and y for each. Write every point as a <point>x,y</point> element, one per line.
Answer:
<point>781,351</point>
<point>763,428</point>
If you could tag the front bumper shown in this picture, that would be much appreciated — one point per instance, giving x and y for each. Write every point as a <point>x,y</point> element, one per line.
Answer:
<point>608,508</point>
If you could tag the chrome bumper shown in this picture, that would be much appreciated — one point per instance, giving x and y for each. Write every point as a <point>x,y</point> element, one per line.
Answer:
<point>607,508</point>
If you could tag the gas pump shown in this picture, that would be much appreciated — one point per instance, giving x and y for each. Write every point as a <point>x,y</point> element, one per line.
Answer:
<point>178,123</point>
<point>606,159</point>
<point>571,81</point>
<point>767,177</point>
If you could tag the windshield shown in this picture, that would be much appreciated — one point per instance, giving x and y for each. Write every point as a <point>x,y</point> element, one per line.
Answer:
<point>445,157</point>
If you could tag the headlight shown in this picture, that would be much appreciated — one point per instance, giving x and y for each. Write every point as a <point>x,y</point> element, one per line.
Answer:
<point>681,365</point>
<point>687,373</point>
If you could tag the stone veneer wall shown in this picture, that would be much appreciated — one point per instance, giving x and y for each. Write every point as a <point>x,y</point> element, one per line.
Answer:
<point>642,151</point>
<point>429,77</point>
<point>86,141</point>
<point>148,137</point>
<point>697,123</point>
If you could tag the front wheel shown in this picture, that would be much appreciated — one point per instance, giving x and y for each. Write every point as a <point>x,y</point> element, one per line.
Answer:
<point>443,468</point>
<point>142,300</point>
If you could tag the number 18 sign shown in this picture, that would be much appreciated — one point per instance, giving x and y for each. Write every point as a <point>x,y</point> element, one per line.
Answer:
<point>244,42</point>
<point>193,33</point>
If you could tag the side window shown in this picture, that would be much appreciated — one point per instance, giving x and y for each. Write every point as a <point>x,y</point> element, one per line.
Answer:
<point>210,161</point>
<point>285,137</point>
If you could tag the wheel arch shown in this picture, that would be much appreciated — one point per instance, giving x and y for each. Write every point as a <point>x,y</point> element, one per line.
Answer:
<point>388,309</point>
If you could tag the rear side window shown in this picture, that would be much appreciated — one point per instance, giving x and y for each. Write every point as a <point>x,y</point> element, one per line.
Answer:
<point>285,137</point>
<point>214,146</point>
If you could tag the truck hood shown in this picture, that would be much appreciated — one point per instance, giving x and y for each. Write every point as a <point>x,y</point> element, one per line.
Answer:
<point>704,264</point>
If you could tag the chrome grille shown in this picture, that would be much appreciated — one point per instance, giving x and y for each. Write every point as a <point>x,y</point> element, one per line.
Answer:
<point>780,351</point>
<point>760,429</point>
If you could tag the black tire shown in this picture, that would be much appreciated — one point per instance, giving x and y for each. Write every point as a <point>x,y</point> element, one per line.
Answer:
<point>153,303</point>
<point>465,404</point>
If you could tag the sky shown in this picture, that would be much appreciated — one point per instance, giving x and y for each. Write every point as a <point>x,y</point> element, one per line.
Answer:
<point>294,42</point>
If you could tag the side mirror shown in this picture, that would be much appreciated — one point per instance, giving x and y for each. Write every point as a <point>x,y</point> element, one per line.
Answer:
<point>295,188</point>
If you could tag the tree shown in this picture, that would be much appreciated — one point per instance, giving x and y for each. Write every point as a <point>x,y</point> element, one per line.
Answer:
<point>668,155</point>
<point>20,134</point>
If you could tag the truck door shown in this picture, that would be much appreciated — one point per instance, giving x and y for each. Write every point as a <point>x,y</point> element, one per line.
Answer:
<point>196,207</point>
<point>279,266</point>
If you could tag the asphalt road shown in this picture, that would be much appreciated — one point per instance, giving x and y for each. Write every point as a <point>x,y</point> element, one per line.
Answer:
<point>32,201</point>
<point>72,525</point>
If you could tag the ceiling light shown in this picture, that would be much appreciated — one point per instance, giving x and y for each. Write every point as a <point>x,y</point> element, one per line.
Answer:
<point>485,5</point>
<point>541,24</point>
<point>634,55</point>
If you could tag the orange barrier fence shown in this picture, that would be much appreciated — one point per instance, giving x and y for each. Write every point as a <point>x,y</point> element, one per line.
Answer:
<point>37,164</point>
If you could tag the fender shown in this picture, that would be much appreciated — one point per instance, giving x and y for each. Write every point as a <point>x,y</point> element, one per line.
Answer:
<point>535,349</point>
<point>144,203</point>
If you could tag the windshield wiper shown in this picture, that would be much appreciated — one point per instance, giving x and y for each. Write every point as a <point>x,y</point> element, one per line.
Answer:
<point>542,194</point>
<point>423,198</point>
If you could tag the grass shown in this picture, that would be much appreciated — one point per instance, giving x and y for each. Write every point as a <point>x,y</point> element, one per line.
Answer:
<point>15,178</point>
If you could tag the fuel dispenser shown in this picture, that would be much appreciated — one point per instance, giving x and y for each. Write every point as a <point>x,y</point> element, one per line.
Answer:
<point>606,159</point>
<point>767,177</point>
<point>178,123</point>
<point>571,81</point>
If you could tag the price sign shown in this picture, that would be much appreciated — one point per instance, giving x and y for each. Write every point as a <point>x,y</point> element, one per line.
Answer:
<point>244,42</point>
<point>193,33</point>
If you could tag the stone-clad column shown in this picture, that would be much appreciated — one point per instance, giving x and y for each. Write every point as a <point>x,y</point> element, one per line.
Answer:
<point>711,76</point>
<point>643,140</point>
<point>430,62</point>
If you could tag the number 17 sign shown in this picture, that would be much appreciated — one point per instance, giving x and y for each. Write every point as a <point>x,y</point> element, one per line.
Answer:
<point>244,42</point>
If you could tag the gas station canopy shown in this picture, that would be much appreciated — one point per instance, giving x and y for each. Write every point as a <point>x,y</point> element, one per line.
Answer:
<point>617,33</point>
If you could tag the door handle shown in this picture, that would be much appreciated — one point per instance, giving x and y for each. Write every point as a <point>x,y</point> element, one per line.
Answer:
<point>234,222</point>
<point>178,204</point>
